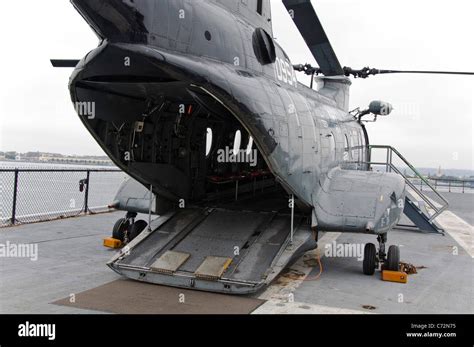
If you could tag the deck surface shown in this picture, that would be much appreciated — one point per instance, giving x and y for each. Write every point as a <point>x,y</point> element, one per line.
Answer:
<point>71,260</point>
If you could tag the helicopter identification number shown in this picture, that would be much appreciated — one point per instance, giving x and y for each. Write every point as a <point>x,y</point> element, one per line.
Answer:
<point>284,72</point>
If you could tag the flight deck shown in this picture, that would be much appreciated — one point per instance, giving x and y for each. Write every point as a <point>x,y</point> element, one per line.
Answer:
<point>71,264</point>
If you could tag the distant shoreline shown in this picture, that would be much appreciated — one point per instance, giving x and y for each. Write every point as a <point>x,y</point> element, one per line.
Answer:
<point>62,162</point>
<point>14,164</point>
<point>458,173</point>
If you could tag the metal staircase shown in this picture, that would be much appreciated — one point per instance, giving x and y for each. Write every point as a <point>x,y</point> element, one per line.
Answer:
<point>419,207</point>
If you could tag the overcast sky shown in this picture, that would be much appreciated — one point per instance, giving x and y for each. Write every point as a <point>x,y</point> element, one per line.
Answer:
<point>431,125</point>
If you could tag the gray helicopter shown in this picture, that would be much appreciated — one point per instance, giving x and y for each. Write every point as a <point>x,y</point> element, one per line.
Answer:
<point>244,165</point>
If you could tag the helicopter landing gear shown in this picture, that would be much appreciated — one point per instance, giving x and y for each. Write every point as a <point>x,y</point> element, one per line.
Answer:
<point>119,231</point>
<point>370,259</point>
<point>126,229</point>
<point>393,259</point>
<point>136,229</point>
<point>380,259</point>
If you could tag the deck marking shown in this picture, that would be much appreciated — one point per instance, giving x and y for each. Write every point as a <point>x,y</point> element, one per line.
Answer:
<point>461,231</point>
<point>280,290</point>
<point>279,307</point>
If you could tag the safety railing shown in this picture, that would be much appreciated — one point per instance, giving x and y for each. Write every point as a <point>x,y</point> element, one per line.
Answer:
<point>391,154</point>
<point>35,195</point>
<point>450,185</point>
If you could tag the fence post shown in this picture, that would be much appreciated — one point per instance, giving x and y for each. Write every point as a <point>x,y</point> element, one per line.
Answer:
<point>15,195</point>
<point>86,195</point>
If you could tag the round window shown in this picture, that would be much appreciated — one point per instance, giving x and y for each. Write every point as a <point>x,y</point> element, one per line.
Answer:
<point>208,141</point>
<point>250,145</point>
<point>237,142</point>
<point>263,47</point>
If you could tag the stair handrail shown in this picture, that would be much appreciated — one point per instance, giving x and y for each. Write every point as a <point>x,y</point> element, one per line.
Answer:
<point>389,164</point>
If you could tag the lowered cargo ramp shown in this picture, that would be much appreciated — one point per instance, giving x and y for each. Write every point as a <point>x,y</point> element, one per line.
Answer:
<point>212,249</point>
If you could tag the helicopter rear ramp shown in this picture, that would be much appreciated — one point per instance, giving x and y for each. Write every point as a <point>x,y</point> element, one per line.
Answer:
<point>219,250</point>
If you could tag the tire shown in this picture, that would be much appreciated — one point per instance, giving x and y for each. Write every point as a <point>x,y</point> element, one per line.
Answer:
<point>120,229</point>
<point>393,259</point>
<point>136,229</point>
<point>370,259</point>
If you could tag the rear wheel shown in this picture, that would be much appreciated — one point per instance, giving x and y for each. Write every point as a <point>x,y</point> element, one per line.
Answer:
<point>120,229</point>
<point>370,259</point>
<point>393,259</point>
<point>136,229</point>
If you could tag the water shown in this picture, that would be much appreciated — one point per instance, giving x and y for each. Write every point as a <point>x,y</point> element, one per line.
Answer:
<point>49,195</point>
<point>46,166</point>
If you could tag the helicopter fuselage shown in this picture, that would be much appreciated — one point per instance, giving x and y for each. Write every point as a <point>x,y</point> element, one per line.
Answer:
<point>172,83</point>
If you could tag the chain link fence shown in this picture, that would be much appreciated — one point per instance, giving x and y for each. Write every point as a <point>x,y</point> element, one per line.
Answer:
<point>35,195</point>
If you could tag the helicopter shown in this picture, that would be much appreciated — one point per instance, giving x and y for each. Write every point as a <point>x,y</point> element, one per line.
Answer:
<point>172,84</point>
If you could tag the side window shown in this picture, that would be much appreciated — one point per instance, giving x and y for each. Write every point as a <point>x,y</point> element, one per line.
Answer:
<point>260,7</point>
<point>263,47</point>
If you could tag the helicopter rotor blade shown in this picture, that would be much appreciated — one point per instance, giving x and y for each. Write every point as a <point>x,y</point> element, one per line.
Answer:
<point>310,27</point>
<point>71,63</point>
<point>367,72</point>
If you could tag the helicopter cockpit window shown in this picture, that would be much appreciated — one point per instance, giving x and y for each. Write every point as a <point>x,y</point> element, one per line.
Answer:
<point>362,147</point>
<point>347,148</point>
<point>355,146</point>
<point>332,143</point>
<point>263,47</point>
